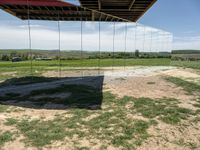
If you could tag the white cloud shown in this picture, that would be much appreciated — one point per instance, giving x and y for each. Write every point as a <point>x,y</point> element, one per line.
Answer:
<point>187,42</point>
<point>46,37</point>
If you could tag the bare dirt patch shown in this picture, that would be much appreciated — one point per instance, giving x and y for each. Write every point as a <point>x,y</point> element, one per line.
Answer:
<point>140,87</point>
<point>91,117</point>
<point>151,83</point>
<point>17,144</point>
<point>9,73</point>
<point>137,82</point>
<point>74,73</point>
<point>167,137</point>
<point>182,73</point>
<point>34,114</point>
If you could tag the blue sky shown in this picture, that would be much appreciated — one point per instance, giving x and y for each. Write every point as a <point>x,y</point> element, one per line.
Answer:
<point>180,17</point>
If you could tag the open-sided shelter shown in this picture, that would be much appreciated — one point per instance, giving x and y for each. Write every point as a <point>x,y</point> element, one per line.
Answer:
<point>89,10</point>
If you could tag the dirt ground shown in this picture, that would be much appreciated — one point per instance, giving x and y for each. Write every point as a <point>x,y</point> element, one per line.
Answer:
<point>152,84</point>
<point>148,82</point>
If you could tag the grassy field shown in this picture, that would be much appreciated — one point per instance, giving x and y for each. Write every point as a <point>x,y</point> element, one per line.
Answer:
<point>186,64</point>
<point>90,63</point>
<point>23,68</point>
<point>122,122</point>
<point>10,66</point>
<point>110,126</point>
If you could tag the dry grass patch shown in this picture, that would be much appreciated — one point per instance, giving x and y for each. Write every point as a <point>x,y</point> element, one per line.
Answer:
<point>189,87</point>
<point>121,123</point>
<point>111,127</point>
<point>5,137</point>
<point>3,108</point>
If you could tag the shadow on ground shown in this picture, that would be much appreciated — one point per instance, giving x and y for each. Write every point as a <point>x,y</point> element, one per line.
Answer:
<point>53,93</point>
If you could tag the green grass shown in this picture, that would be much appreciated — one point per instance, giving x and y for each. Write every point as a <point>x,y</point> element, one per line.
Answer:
<point>23,69</point>
<point>138,128</point>
<point>3,108</point>
<point>39,65</point>
<point>88,63</point>
<point>10,121</point>
<point>197,105</point>
<point>196,119</point>
<point>109,125</point>
<point>5,137</point>
<point>166,110</point>
<point>189,87</point>
<point>41,133</point>
<point>186,64</point>
<point>193,145</point>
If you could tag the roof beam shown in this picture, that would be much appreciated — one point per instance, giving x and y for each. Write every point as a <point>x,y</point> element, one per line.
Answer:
<point>124,10</point>
<point>131,4</point>
<point>99,3</point>
<point>93,16</point>
<point>106,18</point>
<point>134,8</point>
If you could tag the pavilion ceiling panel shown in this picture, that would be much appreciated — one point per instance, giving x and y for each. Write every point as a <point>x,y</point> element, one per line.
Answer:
<point>90,10</point>
<point>131,10</point>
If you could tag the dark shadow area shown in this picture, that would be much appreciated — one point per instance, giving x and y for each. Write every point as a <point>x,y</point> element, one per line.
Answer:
<point>26,80</point>
<point>53,93</point>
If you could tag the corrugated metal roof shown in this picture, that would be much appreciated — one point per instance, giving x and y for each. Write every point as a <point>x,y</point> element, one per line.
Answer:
<point>53,10</point>
<point>91,10</point>
<point>55,3</point>
<point>128,9</point>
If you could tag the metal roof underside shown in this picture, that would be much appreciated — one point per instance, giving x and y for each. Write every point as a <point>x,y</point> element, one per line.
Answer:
<point>130,10</point>
<point>91,10</point>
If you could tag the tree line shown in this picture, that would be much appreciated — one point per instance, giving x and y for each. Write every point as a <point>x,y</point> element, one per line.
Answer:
<point>88,55</point>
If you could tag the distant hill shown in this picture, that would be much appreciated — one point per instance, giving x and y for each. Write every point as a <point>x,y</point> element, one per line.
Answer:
<point>191,55</point>
<point>186,52</point>
<point>8,54</point>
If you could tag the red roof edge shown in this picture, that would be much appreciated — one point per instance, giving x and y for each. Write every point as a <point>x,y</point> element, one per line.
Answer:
<point>53,3</point>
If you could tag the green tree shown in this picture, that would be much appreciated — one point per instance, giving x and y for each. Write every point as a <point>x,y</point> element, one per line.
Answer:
<point>13,54</point>
<point>137,54</point>
<point>5,58</point>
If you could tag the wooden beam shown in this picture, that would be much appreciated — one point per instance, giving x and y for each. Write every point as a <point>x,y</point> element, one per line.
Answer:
<point>106,18</point>
<point>10,12</point>
<point>134,8</point>
<point>99,3</point>
<point>46,12</point>
<point>131,4</point>
<point>7,9</point>
<point>93,16</point>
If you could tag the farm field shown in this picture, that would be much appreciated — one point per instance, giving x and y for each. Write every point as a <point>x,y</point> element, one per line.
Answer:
<point>148,103</point>
<point>9,69</point>
<point>19,69</point>
<point>99,75</point>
